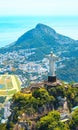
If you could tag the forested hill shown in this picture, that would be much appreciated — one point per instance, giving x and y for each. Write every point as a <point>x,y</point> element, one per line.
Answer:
<point>41,36</point>
<point>41,108</point>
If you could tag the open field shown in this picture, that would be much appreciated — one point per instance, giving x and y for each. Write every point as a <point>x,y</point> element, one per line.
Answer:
<point>9,84</point>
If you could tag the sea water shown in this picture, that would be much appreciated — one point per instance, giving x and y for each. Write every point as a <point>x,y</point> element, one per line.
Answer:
<point>12,27</point>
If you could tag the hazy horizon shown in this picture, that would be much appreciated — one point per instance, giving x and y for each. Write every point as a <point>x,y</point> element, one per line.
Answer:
<point>41,7</point>
<point>17,17</point>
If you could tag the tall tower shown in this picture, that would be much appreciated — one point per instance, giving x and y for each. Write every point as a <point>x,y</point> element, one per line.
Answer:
<point>52,75</point>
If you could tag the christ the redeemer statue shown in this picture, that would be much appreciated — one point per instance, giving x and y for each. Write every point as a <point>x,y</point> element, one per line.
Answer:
<point>52,59</point>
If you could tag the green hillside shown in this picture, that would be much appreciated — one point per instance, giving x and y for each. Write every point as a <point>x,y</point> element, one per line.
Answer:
<point>42,108</point>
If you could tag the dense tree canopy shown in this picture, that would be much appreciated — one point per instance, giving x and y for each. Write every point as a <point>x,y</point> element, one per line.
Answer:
<point>51,122</point>
<point>74,121</point>
<point>38,106</point>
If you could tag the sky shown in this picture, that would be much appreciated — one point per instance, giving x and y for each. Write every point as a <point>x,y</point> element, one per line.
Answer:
<point>39,7</point>
<point>62,10</point>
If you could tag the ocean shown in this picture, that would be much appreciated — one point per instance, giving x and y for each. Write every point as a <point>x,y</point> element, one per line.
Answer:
<point>12,27</point>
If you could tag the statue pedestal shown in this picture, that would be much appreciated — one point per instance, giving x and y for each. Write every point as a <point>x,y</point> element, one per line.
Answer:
<point>52,79</point>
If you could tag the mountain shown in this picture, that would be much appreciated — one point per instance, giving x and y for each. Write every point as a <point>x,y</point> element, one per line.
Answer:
<point>34,45</point>
<point>40,36</point>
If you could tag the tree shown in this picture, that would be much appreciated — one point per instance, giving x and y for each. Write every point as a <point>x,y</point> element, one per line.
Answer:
<point>3,127</point>
<point>42,96</point>
<point>51,122</point>
<point>74,121</point>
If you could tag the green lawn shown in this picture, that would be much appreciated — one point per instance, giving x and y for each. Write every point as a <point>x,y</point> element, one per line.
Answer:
<point>18,82</point>
<point>11,92</point>
<point>8,87</point>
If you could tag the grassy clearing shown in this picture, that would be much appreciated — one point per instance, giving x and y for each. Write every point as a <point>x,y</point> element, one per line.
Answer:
<point>11,92</point>
<point>18,82</point>
<point>11,84</point>
<point>2,93</point>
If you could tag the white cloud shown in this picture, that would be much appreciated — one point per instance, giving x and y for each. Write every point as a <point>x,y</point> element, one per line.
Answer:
<point>39,7</point>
